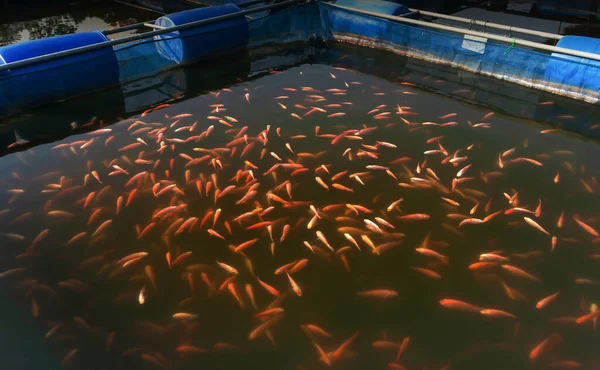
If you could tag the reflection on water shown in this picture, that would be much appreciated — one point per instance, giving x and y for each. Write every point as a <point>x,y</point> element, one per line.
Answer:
<point>76,20</point>
<point>314,216</point>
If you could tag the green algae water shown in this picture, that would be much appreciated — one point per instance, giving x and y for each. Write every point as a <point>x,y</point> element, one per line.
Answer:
<point>328,207</point>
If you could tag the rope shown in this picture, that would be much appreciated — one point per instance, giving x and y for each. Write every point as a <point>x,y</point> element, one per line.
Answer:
<point>509,48</point>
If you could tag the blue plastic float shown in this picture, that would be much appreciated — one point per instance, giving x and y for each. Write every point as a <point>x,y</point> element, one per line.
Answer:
<point>209,41</point>
<point>55,79</point>
<point>569,69</point>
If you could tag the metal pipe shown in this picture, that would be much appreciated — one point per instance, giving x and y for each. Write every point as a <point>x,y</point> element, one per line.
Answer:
<point>142,24</point>
<point>124,28</point>
<point>155,26</point>
<point>251,2</point>
<point>239,5</point>
<point>60,54</point>
<point>530,44</point>
<point>490,24</point>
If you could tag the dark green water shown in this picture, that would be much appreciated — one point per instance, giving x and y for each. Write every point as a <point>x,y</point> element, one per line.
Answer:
<point>89,301</point>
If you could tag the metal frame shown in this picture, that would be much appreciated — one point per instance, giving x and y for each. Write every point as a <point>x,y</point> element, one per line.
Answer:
<point>491,36</point>
<point>150,24</point>
<point>488,24</point>
<point>521,42</point>
<point>60,54</point>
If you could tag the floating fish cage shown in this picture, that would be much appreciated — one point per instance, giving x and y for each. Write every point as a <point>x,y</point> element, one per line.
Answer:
<point>377,192</point>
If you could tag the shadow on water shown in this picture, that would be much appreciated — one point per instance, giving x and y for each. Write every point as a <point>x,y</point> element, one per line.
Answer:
<point>55,121</point>
<point>22,346</point>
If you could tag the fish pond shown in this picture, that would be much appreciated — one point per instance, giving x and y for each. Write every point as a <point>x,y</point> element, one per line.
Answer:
<point>314,207</point>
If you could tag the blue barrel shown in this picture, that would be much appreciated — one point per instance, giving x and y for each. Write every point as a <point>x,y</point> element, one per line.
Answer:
<point>55,79</point>
<point>202,42</point>
<point>377,6</point>
<point>572,71</point>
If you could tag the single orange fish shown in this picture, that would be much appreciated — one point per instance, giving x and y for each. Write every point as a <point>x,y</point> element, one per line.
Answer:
<point>546,301</point>
<point>42,235</point>
<point>455,304</point>
<point>535,225</point>
<point>231,270</point>
<point>322,355</point>
<point>294,285</point>
<point>429,273</point>
<point>268,288</point>
<point>590,230</point>
<point>560,221</point>
<point>318,331</point>
<point>520,273</point>
<point>590,316</point>
<point>378,293</point>
<point>414,217</point>
<point>343,347</point>
<point>216,234</point>
<point>264,327</point>
<point>259,225</point>
<point>496,313</point>
<point>402,349</point>
<point>546,345</point>
<point>269,312</point>
<point>245,245</point>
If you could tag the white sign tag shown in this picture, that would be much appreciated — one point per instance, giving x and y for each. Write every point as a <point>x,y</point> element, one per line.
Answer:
<point>474,43</point>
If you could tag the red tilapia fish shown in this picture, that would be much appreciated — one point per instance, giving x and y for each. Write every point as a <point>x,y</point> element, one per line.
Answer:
<point>319,213</point>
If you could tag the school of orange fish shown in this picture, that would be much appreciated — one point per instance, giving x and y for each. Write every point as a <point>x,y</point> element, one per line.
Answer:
<point>236,215</point>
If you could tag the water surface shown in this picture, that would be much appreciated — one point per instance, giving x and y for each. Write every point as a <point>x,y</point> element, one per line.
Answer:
<point>112,250</point>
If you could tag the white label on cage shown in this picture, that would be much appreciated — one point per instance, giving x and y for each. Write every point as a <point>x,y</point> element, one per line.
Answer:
<point>474,43</point>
